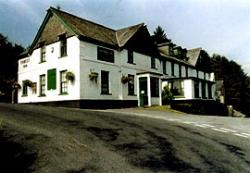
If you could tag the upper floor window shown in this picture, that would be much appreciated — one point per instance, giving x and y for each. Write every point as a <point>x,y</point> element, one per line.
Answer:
<point>43,54</point>
<point>180,71</point>
<point>186,68</point>
<point>130,57</point>
<point>104,54</point>
<point>63,45</point>
<point>164,67</point>
<point>153,62</point>
<point>172,68</point>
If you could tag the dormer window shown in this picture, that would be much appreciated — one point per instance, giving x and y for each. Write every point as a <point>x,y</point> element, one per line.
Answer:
<point>43,53</point>
<point>130,57</point>
<point>63,45</point>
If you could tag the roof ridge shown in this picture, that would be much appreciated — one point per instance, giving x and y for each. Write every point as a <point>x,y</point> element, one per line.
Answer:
<point>126,28</point>
<point>54,9</point>
<point>130,26</point>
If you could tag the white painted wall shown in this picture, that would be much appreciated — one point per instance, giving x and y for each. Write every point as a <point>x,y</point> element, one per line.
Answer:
<point>34,69</point>
<point>118,90</point>
<point>81,60</point>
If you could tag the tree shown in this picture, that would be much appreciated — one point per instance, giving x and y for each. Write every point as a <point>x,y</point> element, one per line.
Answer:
<point>160,36</point>
<point>236,82</point>
<point>9,53</point>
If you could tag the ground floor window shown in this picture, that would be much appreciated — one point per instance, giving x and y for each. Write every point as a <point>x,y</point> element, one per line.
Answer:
<point>104,82</point>
<point>203,89</point>
<point>42,85</point>
<point>209,91</point>
<point>63,82</point>
<point>196,89</point>
<point>177,87</point>
<point>25,89</point>
<point>131,85</point>
<point>154,86</point>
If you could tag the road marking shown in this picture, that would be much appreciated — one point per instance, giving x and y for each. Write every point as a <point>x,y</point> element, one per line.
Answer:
<point>200,125</point>
<point>208,125</point>
<point>246,134</point>
<point>188,122</point>
<point>220,130</point>
<point>229,130</point>
<point>173,119</point>
<point>241,135</point>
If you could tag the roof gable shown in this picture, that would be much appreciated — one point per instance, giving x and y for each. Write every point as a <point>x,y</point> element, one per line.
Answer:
<point>58,22</point>
<point>193,55</point>
<point>124,34</point>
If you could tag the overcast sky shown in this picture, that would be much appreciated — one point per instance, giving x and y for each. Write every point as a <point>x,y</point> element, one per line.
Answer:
<point>218,26</point>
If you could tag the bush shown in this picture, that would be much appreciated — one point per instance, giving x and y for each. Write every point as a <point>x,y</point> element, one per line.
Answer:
<point>167,95</point>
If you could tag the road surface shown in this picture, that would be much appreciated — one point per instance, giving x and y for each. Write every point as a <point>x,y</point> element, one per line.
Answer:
<point>50,139</point>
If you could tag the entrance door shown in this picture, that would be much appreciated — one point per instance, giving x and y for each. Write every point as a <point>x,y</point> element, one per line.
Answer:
<point>143,89</point>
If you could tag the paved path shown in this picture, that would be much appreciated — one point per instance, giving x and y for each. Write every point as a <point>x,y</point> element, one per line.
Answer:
<point>231,125</point>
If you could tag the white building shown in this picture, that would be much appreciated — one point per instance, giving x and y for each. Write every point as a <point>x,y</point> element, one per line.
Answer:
<point>108,68</point>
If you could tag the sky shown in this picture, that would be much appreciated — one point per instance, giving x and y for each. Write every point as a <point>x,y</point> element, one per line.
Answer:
<point>218,26</point>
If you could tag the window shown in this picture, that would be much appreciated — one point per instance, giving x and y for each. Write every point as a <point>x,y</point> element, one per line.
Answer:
<point>203,89</point>
<point>131,85</point>
<point>51,77</point>
<point>180,71</point>
<point>153,62</point>
<point>172,68</point>
<point>43,54</point>
<point>63,82</point>
<point>154,84</point>
<point>42,85</point>
<point>196,89</point>
<point>104,82</point>
<point>186,67</point>
<point>34,88</point>
<point>130,57</point>
<point>164,67</point>
<point>63,45</point>
<point>210,91</point>
<point>104,54</point>
<point>177,88</point>
<point>24,89</point>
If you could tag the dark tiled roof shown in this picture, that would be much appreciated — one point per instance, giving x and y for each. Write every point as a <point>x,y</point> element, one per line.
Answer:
<point>124,34</point>
<point>193,55</point>
<point>88,29</point>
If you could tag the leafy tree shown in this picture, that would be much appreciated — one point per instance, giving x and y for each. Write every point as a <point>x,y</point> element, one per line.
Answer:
<point>9,53</point>
<point>236,82</point>
<point>160,36</point>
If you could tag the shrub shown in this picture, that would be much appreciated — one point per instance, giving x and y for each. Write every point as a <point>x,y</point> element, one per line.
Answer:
<point>167,95</point>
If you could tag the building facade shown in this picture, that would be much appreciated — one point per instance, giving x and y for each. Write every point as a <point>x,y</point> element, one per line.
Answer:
<point>75,62</point>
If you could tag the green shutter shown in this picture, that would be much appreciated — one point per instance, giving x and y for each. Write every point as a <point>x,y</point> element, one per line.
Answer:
<point>51,76</point>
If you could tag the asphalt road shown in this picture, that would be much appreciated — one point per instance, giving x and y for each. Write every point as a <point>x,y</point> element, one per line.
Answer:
<point>49,139</point>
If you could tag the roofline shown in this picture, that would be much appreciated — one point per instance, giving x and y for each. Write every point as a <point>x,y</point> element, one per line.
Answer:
<point>52,8</point>
<point>140,26</point>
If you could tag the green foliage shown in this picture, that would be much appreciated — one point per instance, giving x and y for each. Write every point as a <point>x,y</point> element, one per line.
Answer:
<point>9,53</point>
<point>167,95</point>
<point>160,35</point>
<point>236,82</point>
